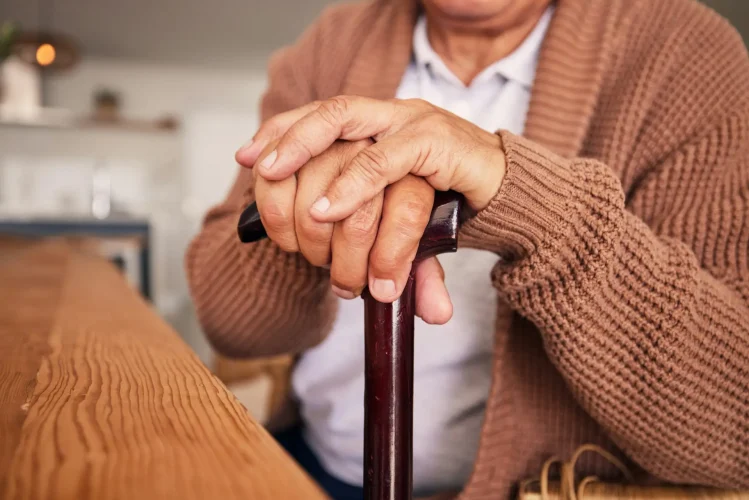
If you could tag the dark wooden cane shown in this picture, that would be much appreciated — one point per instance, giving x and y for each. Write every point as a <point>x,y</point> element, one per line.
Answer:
<point>388,361</point>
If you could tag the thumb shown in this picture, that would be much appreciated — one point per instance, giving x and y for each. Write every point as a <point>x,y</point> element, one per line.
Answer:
<point>433,303</point>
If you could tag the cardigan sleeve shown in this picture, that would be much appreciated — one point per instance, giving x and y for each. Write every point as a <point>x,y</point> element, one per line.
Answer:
<point>254,299</point>
<point>648,324</point>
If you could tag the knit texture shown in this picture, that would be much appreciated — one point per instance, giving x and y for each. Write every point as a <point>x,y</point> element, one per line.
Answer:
<point>623,223</point>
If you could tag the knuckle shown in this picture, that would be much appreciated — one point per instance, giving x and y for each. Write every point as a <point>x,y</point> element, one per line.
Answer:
<point>273,217</point>
<point>339,104</point>
<point>271,128</point>
<point>409,224</point>
<point>415,209</point>
<point>347,280</point>
<point>435,118</point>
<point>314,256</point>
<point>416,108</point>
<point>334,109</point>
<point>387,261</point>
<point>314,232</point>
<point>287,245</point>
<point>314,242</point>
<point>418,103</point>
<point>411,215</point>
<point>361,227</point>
<point>297,138</point>
<point>327,116</point>
<point>360,232</point>
<point>372,161</point>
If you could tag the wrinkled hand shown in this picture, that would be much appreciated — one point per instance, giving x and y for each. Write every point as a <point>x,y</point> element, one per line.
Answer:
<point>379,239</point>
<point>407,139</point>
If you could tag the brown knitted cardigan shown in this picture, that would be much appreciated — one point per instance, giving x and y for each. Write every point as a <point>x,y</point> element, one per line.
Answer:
<point>623,222</point>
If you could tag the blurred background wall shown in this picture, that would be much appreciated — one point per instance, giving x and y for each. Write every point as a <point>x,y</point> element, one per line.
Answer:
<point>197,66</point>
<point>139,130</point>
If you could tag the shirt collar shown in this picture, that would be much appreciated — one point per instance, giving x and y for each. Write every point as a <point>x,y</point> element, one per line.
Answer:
<point>519,66</point>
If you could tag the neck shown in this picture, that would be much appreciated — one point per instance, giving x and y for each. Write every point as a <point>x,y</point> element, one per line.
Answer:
<point>468,46</point>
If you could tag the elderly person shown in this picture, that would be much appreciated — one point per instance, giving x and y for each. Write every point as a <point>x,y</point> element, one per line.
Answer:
<point>601,291</point>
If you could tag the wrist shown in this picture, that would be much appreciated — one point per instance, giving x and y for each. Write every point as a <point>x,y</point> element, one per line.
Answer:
<point>488,177</point>
<point>532,207</point>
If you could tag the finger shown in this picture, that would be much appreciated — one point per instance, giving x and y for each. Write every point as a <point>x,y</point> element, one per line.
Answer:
<point>405,213</point>
<point>275,202</point>
<point>376,167</point>
<point>271,129</point>
<point>343,117</point>
<point>313,179</point>
<point>353,239</point>
<point>433,303</point>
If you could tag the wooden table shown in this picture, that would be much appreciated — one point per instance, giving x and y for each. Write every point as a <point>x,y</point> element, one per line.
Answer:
<point>100,399</point>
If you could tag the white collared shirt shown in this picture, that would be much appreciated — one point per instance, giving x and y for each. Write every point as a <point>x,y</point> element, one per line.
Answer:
<point>497,98</point>
<point>452,363</point>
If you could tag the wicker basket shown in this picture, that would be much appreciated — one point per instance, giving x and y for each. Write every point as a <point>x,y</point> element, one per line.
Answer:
<point>590,488</point>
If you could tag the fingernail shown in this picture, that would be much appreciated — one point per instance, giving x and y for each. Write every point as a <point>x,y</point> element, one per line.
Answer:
<point>246,145</point>
<point>269,160</point>
<point>344,294</point>
<point>383,288</point>
<point>322,205</point>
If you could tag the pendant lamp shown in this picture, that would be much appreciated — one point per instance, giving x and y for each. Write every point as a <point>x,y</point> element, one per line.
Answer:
<point>44,47</point>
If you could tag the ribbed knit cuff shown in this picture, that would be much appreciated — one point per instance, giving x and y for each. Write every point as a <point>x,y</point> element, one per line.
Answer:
<point>254,299</point>
<point>532,206</point>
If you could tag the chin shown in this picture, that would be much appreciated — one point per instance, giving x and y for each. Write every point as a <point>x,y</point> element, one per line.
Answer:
<point>471,9</point>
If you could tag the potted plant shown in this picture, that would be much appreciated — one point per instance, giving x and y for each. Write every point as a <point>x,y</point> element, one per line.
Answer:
<point>8,32</point>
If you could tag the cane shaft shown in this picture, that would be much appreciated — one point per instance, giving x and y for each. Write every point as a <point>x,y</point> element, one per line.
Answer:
<point>388,396</point>
<point>389,358</point>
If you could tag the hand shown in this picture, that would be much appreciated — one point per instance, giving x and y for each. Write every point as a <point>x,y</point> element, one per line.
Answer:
<point>376,244</point>
<point>410,137</point>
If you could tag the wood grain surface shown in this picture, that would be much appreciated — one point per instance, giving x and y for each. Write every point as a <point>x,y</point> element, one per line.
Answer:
<point>100,399</point>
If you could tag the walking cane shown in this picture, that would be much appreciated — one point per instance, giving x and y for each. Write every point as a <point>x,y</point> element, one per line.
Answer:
<point>389,354</point>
